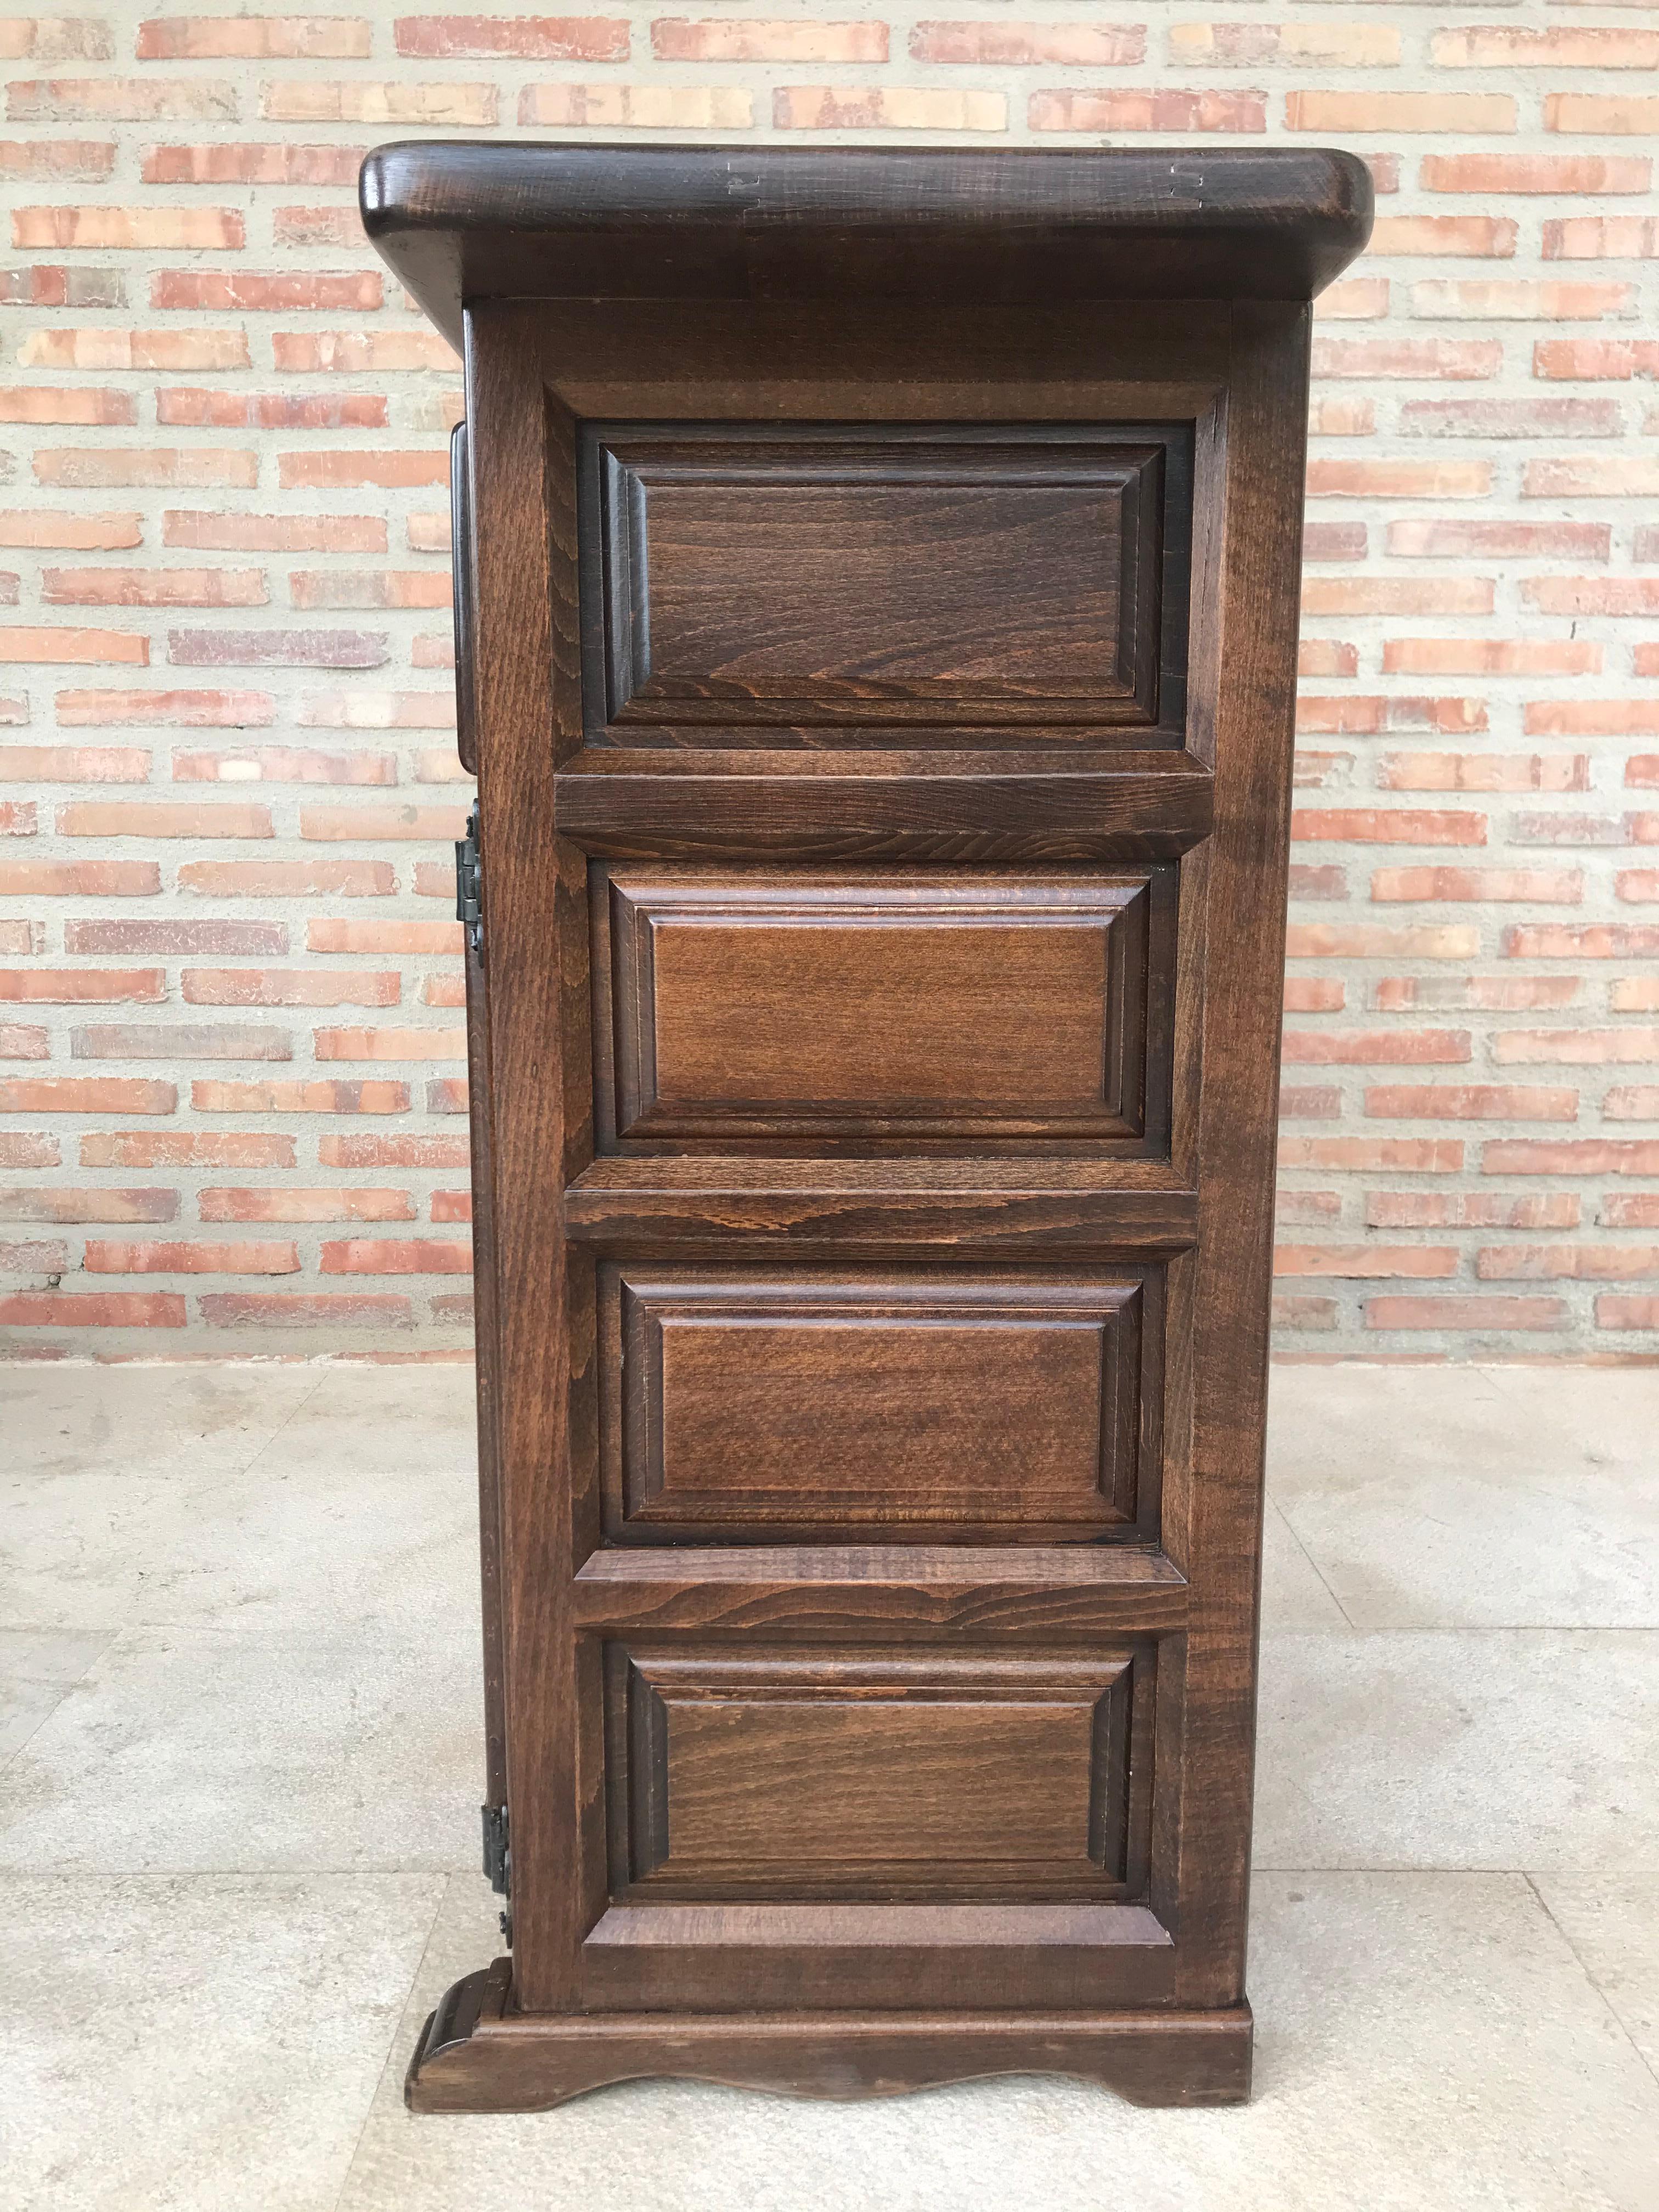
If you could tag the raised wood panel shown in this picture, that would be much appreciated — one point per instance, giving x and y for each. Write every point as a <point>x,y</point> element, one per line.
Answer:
<point>746,582</point>
<point>745,1771</point>
<point>845,1407</point>
<point>845,1007</point>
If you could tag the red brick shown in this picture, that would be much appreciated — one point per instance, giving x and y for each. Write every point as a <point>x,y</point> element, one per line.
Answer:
<point>254,38</point>
<point>399,1152</point>
<point>305,879</point>
<point>278,648</point>
<point>44,403</point>
<point>1444,359</point>
<point>1312,44</point>
<point>356,352</point>
<point>188,1041</point>
<point>452,1205</point>
<point>73,764</point>
<point>172,936</point>
<point>1488,993</point>
<point>350,99</point>
<point>316,1309</point>
<point>1380,941</point>
<point>383,936</point>
<point>1298,1313</point>
<point>1629,1210</point>
<point>27,1148</point>
<point>282,764</point>
<point>1149,109</point>
<point>1600,115</point>
<point>1597,941</point>
<point>287,1205</point>
<point>184,1148</point>
<point>210,1096</point>
<point>1391,112</point>
<point>1325,656</point>
<point>107,1257</point>
<point>1596,1156</point>
<point>283,164</point>
<point>1483,772</point>
<point>290,987</point>
<point>1391,825</point>
<point>390,1044</point>
<point>1397,595</point>
<point>1572,1263</point>
<point>19,818</point>
<point>1614,596</point>
<point>69,986</point>
<point>1601,238</point>
<point>386,1255</point>
<point>79,878</point>
<point>270,410</point>
<point>527,38</point>
<point>428,825</point>
<point>1612,360</point>
<point>247,292</point>
<point>444,990</point>
<point>1558,173</point>
<point>57,1203</point>
<point>84,159</point>
<point>1470,1102</point>
<point>92,1310</point>
<point>94,468</point>
<point>1390,478</point>
<point>1458,538</point>
<point>343,467</point>
<point>1617,1311</point>
<point>1537,886</point>
<point>984,45</point>
<point>1481,235</point>
<point>144,228</point>
<point>1369,1048</point>
<point>177,709</point>
<point>1575,1047</point>
<point>66,532</point>
<point>130,817</point>
<point>273,533</point>
<point>1311,883</point>
<point>47,644</point>
<point>22,1041</point>
<point>1360,1260</point>
<point>87,1094</point>
<point>446,1094</point>
<point>1437,1209</point>
<point>1491,656</point>
<point>120,99</point>
<point>1495,1314</point>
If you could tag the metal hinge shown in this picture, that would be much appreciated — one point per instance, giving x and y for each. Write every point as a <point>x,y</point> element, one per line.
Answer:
<point>468,882</point>
<point>497,1857</point>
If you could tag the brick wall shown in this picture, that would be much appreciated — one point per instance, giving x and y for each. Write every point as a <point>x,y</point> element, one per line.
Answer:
<point>231,1080</point>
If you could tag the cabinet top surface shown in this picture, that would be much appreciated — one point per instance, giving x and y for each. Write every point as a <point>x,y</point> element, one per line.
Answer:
<point>460,221</point>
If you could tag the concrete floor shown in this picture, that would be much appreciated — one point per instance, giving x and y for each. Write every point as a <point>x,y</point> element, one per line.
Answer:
<point>239,1723</point>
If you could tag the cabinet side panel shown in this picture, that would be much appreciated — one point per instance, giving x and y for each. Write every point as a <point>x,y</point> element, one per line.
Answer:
<point>1254,660</point>
<point>522,455</point>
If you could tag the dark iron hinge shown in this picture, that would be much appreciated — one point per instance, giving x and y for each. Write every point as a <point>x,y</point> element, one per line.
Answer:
<point>497,1857</point>
<point>468,882</point>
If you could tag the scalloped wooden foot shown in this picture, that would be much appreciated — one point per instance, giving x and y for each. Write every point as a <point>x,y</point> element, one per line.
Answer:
<point>475,2056</point>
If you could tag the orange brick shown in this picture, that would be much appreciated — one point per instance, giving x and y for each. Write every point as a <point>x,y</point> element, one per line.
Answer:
<point>1510,46</point>
<point>449,105</point>
<point>1482,235</point>
<point>1604,115</point>
<point>153,588</point>
<point>160,349</point>
<point>65,532</point>
<point>69,986</point>
<point>1308,44</point>
<point>79,878</point>
<point>1491,656</point>
<point>637,107</point>
<point>1574,1048</point>
<point>1460,359</point>
<point>1596,1156</point>
<point>281,764</point>
<point>55,1202</point>
<point>390,1044</point>
<point>74,764</point>
<point>287,878</point>
<point>147,819</point>
<point>1396,479</point>
<point>1616,1311</point>
<point>143,228</point>
<point>1601,238</point>
<point>1397,595</point>
<point>290,987</point>
<point>1391,825</point>
<point>35,404</point>
<point>1375,1047</point>
<point>681,39</point>
<point>173,709</point>
<point>184,1148</point>
<point>1438,111</point>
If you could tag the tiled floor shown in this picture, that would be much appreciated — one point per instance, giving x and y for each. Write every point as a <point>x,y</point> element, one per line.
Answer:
<point>239,1729</point>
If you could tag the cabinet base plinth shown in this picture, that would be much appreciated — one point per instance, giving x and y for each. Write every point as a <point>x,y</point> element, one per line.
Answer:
<point>477,2056</point>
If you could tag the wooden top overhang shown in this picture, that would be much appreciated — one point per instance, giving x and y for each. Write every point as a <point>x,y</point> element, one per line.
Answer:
<point>462,220</point>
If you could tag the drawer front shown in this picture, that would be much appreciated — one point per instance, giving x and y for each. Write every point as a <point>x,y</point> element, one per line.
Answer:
<point>831,1773</point>
<point>950,1405</point>
<point>850,1008</point>
<point>758,584</point>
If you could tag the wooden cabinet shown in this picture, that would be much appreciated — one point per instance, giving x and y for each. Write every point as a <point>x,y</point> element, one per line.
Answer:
<point>877,581</point>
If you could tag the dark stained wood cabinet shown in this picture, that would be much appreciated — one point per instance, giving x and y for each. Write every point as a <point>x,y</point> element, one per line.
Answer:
<point>877,592</point>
